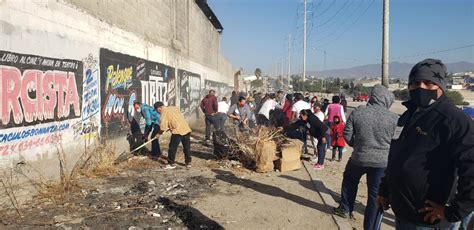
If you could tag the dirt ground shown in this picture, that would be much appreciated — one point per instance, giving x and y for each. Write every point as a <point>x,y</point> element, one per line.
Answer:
<point>211,195</point>
<point>331,177</point>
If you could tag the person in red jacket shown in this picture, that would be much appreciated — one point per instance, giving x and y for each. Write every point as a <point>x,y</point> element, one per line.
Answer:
<point>338,142</point>
<point>287,109</point>
<point>209,108</point>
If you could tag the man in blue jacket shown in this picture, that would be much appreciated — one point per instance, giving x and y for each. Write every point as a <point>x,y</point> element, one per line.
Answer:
<point>152,125</point>
<point>429,181</point>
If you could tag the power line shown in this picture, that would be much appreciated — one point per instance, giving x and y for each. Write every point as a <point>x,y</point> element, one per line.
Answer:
<point>336,26</point>
<point>334,15</point>
<point>335,22</point>
<point>351,25</point>
<point>435,52</point>
<point>325,10</point>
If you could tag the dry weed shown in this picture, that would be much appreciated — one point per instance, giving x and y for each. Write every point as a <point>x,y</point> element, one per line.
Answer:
<point>99,162</point>
<point>9,188</point>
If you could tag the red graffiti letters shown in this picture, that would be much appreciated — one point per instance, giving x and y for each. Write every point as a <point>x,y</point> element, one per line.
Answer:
<point>37,95</point>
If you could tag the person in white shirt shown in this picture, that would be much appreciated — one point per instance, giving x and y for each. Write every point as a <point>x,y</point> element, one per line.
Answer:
<point>222,109</point>
<point>317,111</point>
<point>299,105</point>
<point>264,112</point>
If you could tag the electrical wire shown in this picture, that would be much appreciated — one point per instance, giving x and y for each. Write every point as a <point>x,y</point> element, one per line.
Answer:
<point>351,25</point>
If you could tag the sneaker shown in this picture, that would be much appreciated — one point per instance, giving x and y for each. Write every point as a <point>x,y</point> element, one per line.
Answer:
<point>170,166</point>
<point>339,160</point>
<point>188,165</point>
<point>319,167</point>
<point>339,211</point>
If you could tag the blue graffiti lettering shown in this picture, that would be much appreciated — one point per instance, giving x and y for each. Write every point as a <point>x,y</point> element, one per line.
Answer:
<point>18,135</point>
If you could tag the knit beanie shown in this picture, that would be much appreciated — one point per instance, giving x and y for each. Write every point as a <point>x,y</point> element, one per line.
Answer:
<point>429,69</point>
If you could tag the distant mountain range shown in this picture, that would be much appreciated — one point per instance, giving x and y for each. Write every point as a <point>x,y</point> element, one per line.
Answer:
<point>397,70</point>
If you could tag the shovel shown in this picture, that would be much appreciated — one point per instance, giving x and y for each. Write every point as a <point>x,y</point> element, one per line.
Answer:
<point>125,155</point>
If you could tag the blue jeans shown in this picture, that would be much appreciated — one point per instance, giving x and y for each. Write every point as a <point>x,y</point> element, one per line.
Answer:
<point>211,120</point>
<point>350,182</point>
<point>321,152</point>
<point>328,135</point>
<point>221,118</point>
<point>466,220</point>
<point>155,145</point>
<point>407,225</point>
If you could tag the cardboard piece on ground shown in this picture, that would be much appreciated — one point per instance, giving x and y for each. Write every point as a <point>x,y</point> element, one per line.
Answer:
<point>290,156</point>
<point>265,155</point>
<point>292,151</point>
<point>285,166</point>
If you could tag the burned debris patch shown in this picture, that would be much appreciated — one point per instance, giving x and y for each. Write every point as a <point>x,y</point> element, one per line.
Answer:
<point>130,200</point>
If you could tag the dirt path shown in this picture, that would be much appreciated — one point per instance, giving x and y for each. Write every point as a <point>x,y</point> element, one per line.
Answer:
<point>267,201</point>
<point>331,177</point>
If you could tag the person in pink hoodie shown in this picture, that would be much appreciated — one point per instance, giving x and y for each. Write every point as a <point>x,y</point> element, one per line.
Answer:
<point>334,109</point>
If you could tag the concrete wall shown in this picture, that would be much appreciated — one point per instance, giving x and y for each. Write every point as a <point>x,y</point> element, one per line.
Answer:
<point>70,69</point>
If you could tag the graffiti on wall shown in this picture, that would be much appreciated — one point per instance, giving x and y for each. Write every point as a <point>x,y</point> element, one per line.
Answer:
<point>38,97</point>
<point>128,79</point>
<point>37,89</point>
<point>221,89</point>
<point>90,88</point>
<point>119,86</point>
<point>190,91</point>
<point>159,84</point>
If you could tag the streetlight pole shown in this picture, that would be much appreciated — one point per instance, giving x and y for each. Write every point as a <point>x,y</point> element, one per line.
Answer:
<point>304,45</point>
<point>385,48</point>
<point>289,60</point>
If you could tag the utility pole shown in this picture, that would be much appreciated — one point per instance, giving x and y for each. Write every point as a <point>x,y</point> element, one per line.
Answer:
<point>281,67</point>
<point>289,60</point>
<point>385,45</point>
<point>304,45</point>
<point>276,69</point>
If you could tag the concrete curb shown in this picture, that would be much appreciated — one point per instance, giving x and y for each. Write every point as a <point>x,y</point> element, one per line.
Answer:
<point>324,193</point>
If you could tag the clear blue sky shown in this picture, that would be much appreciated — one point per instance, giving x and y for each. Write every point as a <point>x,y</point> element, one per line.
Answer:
<point>255,31</point>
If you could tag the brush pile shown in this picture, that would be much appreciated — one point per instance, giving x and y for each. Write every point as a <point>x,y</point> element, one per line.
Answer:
<point>257,151</point>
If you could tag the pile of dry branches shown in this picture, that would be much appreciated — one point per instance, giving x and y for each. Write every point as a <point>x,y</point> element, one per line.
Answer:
<point>244,149</point>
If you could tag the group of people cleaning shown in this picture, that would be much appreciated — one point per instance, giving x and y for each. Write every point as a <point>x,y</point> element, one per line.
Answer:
<point>288,111</point>
<point>420,164</point>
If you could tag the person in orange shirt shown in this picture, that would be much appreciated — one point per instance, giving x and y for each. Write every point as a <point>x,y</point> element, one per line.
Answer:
<point>173,120</point>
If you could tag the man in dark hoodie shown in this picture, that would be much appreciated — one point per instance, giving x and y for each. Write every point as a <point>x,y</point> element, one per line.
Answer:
<point>429,181</point>
<point>209,108</point>
<point>369,130</point>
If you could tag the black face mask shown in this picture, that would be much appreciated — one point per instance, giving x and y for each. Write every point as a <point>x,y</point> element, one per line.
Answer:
<point>423,97</point>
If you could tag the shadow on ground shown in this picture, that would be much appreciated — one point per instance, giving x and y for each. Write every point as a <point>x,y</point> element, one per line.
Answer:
<point>191,217</point>
<point>388,219</point>
<point>269,190</point>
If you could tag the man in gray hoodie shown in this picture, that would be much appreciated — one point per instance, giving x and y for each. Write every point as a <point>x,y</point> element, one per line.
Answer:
<point>369,130</point>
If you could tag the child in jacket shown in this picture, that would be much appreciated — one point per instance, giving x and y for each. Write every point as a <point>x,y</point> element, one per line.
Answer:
<point>337,139</point>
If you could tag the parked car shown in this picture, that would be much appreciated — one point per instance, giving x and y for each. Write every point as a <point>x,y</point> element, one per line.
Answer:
<point>360,97</point>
